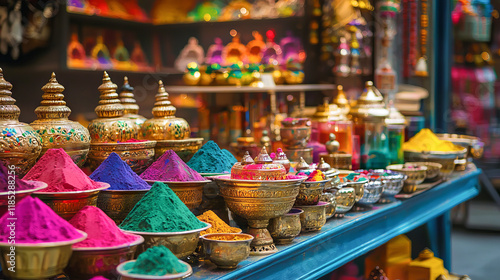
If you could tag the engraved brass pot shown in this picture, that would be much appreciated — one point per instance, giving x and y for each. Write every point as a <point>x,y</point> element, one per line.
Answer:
<point>414,176</point>
<point>433,169</point>
<point>226,254</point>
<point>310,192</point>
<point>332,204</point>
<point>185,148</point>
<point>314,217</point>
<point>117,203</point>
<point>345,197</point>
<point>448,160</point>
<point>189,192</point>
<point>138,155</point>
<point>285,228</point>
<point>258,202</point>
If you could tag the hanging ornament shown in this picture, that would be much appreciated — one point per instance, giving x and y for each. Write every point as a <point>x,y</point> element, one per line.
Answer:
<point>421,68</point>
<point>342,59</point>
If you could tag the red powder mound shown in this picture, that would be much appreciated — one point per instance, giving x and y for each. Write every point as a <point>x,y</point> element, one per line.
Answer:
<point>5,177</point>
<point>36,223</point>
<point>57,169</point>
<point>169,167</point>
<point>101,230</point>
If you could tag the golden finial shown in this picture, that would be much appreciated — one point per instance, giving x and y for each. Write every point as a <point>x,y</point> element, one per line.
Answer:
<point>109,104</point>
<point>53,105</point>
<point>9,111</point>
<point>163,107</point>
<point>127,98</point>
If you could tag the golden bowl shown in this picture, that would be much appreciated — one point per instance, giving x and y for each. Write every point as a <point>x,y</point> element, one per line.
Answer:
<point>285,228</point>
<point>433,169</point>
<point>332,204</point>
<point>190,192</point>
<point>258,202</point>
<point>314,217</point>
<point>474,145</point>
<point>359,187</point>
<point>295,137</point>
<point>184,148</point>
<point>138,155</point>
<point>345,197</point>
<point>414,176</point>
<point>37,260</point>
<point>4,196</point>
<point>86,263</point>
<point>446,159</point>
<point>182,243</point>
<point>117,203</point>
<point>226,254</point>
<point>66,204</point>
<point>124,275</point>
<point>310,192</point>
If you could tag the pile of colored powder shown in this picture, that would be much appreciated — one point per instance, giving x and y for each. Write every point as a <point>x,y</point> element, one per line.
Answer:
<point>427,141</point>
<point>35,222</point>
<point>169,167</point>
<point>5,178</point>
<point>211,159</point>
<point>314,176</point>
<point>218,225</point>
<point>160,210</point>
<point>156,261</point>
<point>228,237</point>
<point>116,172</point>
<point>57,169</point>
<point>101,230</point>
<point>355,177</point>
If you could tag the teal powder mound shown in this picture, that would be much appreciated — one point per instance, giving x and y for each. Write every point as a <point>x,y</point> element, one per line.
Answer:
<point>156,261</point>
<point>160,210</point>
<point>211,159</point>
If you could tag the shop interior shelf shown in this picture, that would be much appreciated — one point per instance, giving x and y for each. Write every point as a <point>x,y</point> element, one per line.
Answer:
<point>239,89</point>
<point>313,255</point>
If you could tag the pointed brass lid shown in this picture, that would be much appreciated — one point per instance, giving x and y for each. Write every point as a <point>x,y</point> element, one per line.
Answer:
<point>163,107</point>
<point>323,166</point>
<point>9,110</point>
<point>109,104</point>
<point>341,99</point>
<point>302,165</point>
<point>370,104</point>
<point>127,98</point>
<point>52,105</point>
<point>263,157</point>
<point>247,159</point>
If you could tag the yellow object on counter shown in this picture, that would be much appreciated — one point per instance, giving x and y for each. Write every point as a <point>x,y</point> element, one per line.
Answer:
<point>228,237</point>
<point>426,267</point>
<point>218,225</point>
<point>427,141</point>
<point>393,257</point>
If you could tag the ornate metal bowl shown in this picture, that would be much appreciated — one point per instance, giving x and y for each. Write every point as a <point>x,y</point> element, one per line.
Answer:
<point>332,204</point>
<point>345,198</point>
<point>372,192</point>
<point>117,204</point>
<point>124,275</point>
<point>182,243</point>
<point>226,254</point>
<point>38,260</point>
<point>391,181</point>
<point>433,169</point>
<point>474,145</point>
<point>333,175</point>
<point>66,204</point>
<point>414,176</point>
<point>86,263</point>
<point>4,196</point>
<point>359,187</point>
<point>285,228</point>
<point>184,148</point>
<point>310,192</point>
<point>138,155</point>
<point>190,192</point>
<point>259,201</point>
<point>314,217</point>
<point>446,159</point>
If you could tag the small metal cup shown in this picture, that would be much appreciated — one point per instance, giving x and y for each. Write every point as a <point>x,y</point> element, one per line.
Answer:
<point>285,228</point>
<point>226,254</point>
<point>314,217</point>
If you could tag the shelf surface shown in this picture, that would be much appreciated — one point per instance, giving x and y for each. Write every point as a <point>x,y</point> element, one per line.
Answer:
<point>313,255</point>
<point>239,89</point>
<point>231,22</point>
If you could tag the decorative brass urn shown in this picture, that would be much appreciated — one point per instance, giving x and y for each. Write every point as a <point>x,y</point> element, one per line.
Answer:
<point>111,126</point>
<point>131,109</point>
<point>20,145</point>
<point>164,125</point>
<point>56,130</point>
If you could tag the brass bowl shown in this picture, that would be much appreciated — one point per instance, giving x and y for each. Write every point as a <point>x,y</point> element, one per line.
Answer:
<point>66,204</point>
<point>314,217</point>
<point>372,192</point>
<point>433,169</point>
<point>182,243</point>
<point>295,137</point>
<point>285,228</point>
<point>190,192</point>
<point>332,204</point>
<point>226,254</point>
<point>359,187</point>
<point>414,176</point>
<point>124,275</point>
<point>4,196</point>
<point>446,159</point>
<point>338,160</point>
<point>393,182</point>
<point>345,198</point>
<point>37,260</point>
<point>474,145</point>
<point>258,202</point>
<point>86,263</point>
<point>310,192</point>
<point>184,148</point>
<point>333,175</point>
<point>117,204</point>
<point>138,155</point>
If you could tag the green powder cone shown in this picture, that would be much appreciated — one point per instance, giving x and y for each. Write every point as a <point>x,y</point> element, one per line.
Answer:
<point>156,261</point>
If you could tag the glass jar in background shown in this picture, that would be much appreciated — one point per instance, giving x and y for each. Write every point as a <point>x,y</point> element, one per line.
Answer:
<point>396,124</point>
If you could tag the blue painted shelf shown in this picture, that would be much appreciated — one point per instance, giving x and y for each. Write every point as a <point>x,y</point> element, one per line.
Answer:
<point>314,255</point>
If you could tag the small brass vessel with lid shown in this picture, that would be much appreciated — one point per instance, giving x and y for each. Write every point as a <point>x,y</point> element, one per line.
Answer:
<point>53,125</point>
<point>110,125</point>
<point>20,145</point>
<point>131,109</point>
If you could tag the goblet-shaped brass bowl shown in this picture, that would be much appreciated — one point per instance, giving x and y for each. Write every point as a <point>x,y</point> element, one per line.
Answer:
<point>125,275</point>
<point>118,203</point>
<point>182,243</point>
<point>4,196</point>
<point>433,169</point>
<point>258,202</point>
<point>295,137</point>
<point>345,198</point>
<point>184,148</point>
<point>226,254</point>
<point>86,263</point>
<point>415,176</point>
<point>190,192</point>
<point>314,217</point>
<point>359,186</point>
<point>448,160</point>
<point>138,155</point>
<point>310,192</point>
<point>66,204</point>
<point>37,260</point>
<point>285,228</point>
<point>329,198</point>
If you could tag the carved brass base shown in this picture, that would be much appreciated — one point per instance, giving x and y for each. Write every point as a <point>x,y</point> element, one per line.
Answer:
<point>284,241</point>
<point>263,242</point>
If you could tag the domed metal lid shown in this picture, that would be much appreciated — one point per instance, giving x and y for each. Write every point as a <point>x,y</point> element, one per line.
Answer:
<point>127,98</point>
<point>263,157</point>
<point>341,100</point>
<point>328,112</point>
<point>53,105</point>
<point>163,107</point>
<point>9,111</point>
<point>370,104</point>
<point>109,104</point>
